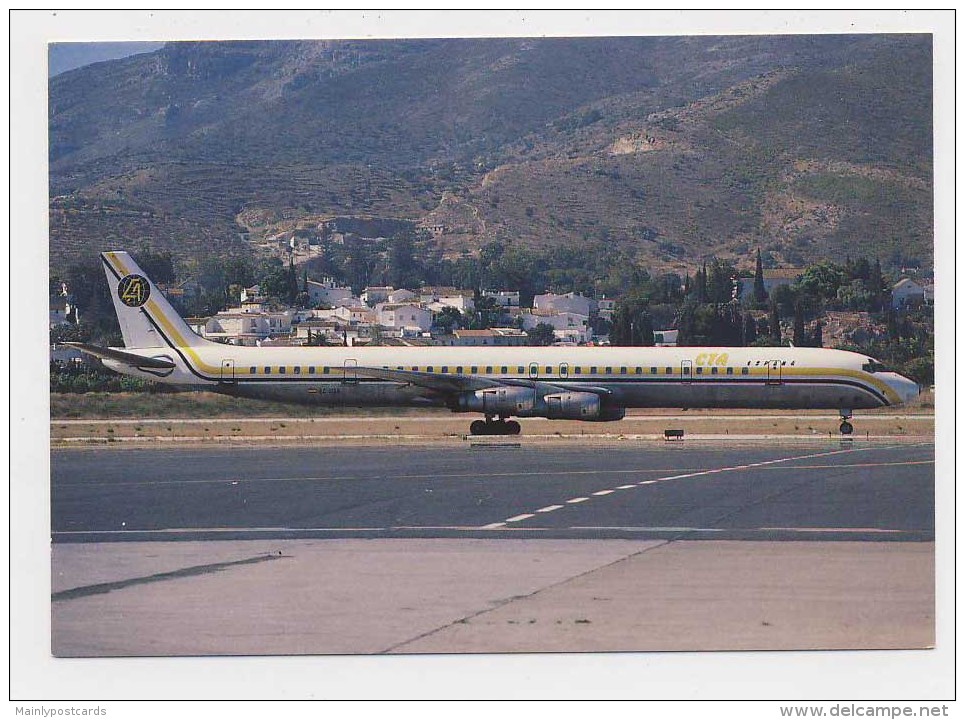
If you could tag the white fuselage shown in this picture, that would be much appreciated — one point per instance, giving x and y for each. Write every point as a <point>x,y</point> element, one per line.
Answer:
<point>686,377</point>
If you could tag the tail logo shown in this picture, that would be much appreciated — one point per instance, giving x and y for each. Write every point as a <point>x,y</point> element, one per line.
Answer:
<point>134,290</point>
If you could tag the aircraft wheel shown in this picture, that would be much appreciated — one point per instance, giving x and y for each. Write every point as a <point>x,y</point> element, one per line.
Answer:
<point>479,427</point>
<point>846,428</point>
<point>513,427</point>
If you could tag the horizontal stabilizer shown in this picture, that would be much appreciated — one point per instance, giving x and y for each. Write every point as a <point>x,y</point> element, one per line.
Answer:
<point>137,361</point>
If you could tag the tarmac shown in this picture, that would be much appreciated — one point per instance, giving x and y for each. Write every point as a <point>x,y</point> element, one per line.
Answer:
<point>373,550</point>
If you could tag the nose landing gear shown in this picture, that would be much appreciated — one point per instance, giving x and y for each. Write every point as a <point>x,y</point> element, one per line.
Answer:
<point>846,428</point>
<point>494,427</point>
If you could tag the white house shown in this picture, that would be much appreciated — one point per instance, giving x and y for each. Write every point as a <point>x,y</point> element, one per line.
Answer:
<point>605,307</point>
<point>907,292</point>
<point>408,315</point>
<point>372,296</point>
<point>570,303</point>
<point>240,327</point>
<point>503,298</point>
<point>665,338</point>
<point>401,296</point>
<point>355,315</point>
<point>328,293</point>
<point>573,327</point>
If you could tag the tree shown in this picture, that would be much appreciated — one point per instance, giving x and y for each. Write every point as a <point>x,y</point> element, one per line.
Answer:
<point>542,334</point>
<point>760,294</point>
<point>750,330</point>
<point>774,325</point>
<point>799,338</point>
<point>817,339</point>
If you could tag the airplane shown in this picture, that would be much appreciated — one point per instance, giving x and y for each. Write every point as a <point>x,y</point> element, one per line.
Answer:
<point>500,383</point>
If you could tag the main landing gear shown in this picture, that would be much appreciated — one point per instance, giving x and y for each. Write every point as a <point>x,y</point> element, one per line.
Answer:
<point>494,427</point>
<point>846,428</point>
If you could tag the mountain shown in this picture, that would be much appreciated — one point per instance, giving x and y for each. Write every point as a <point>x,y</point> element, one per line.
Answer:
<point>676,148</point>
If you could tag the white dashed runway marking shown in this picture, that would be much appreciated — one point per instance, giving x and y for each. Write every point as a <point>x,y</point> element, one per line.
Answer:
<point>698,473</point>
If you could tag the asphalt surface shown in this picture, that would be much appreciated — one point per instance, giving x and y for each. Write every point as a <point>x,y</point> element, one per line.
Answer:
<point>669,491</point>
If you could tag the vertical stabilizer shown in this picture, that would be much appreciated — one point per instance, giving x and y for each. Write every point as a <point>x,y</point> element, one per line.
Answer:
<point>146,318</point>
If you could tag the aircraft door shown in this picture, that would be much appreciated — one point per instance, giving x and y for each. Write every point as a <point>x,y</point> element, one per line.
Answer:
<point>350,372</point>
<point>774,372</point>
<point>533,371</point>
<point>687,370</point>
<point>227,371</point>
<point>564,370</point>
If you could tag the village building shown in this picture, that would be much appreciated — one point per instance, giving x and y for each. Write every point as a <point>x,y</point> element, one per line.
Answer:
<point>503,298</point>
<point>907,293</point>
<point>493,337</point>
<point>372,296</point>
<point>327,292</point>
<point>245,327</point>
<point>569,303</point>
<point>355,315</point>
<point>568,326</point>
<point>399,316</point>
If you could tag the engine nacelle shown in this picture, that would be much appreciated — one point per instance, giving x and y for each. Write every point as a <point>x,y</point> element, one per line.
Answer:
<point>573,406</point>
<point>499,401</point>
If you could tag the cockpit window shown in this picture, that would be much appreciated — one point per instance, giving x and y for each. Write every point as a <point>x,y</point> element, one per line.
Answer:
<point>873,366</point>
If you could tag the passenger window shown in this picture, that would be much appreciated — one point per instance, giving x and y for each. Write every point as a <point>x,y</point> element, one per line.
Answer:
<point>253,370</point>
<point>504,370</point>
<point>639,371</point>
<point>445,368</point>
<point>653,371</point>
<point>297,370</point>
<point>745,371</point>
<point>281,370</point>
<point>429,368</point>
<point>489,369</point>
<point>713,371</point>
<point>267,370</point>
<point>623,371</point>
<point>311,369</point>
<point>324,371</point>
<point>609,369</point>
<point>730,371</point>
<point>549,369</point>
<point>520,369</point>
<point>577,370</point>
<point>593,370</point>
<point>700,371</point>
<point>459,369</point>
<point>474,369</point>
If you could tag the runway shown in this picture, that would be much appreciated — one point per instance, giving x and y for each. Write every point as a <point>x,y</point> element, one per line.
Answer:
<point>854,491</point>
<point>450,548</point>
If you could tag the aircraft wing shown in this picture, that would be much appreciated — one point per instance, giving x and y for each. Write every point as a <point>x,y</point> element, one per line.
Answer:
<point>448,383</point>
<point>135,361</point>
<point>455,384</point>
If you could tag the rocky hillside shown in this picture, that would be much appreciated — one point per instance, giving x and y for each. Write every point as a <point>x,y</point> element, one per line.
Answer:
<point>680,148</point>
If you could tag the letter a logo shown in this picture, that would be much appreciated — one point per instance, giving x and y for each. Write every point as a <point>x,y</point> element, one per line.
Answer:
<point>134,290</point>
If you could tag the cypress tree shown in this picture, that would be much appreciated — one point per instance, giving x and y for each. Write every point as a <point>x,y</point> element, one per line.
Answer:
<point>760,294</point>
<point>775,324</point>
<point>817,340</point>
<point>750,330</point>
<point>799,339</point>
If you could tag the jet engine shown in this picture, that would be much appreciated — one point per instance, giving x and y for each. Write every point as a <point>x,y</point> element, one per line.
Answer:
<point>573,406</point>
<point>499,401</point>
